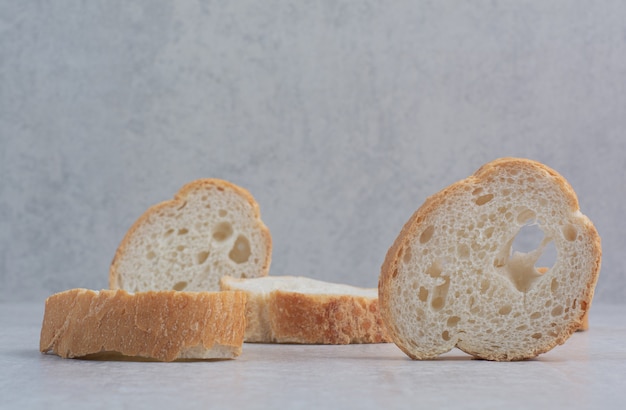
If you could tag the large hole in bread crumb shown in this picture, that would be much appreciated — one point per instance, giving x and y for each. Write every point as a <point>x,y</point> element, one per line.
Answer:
<point>531,238</point>
<point>240,252</point>
<point>527,256</point>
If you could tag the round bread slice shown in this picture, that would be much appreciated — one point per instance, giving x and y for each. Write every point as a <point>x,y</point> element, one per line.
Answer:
<point>295,309</point>
<point>165,325</point>
<point>451,277</point>
<point>210,229</point>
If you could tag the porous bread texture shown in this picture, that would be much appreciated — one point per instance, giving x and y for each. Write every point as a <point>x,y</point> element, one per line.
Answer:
<point>210,229</point>
<point>450,278</point>
<point>294,309</point>
<point>165,325</point>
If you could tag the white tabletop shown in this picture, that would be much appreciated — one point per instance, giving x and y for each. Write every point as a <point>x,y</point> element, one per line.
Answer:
<point>589,371</point>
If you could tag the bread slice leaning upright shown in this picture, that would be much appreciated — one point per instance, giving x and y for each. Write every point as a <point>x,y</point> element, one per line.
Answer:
<point>210,229</point>
<point>295,309</point>
<point>452,279</point>
<point>165,325</point>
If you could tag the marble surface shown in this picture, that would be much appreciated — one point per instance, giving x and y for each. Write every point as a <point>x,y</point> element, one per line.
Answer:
<point>589,371</point>
<point>340,118</point>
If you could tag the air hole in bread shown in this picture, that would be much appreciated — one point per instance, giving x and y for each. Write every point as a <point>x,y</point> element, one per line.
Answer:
<point>427,234</point>
<point>407,255</point>
<point>473,306</point>
<point>240,252</point>
<point>445,335</point>
<point>570,232</point>
<point>151,255</point>
<point>440,294</point>
<point>536,336</point>
<point>434,270</point>
<point>484,285</point>
<point>483,199</point>
<point>525,216</point>
<point>463,250</point>
<point>180,286</point>
<point>168,232</point>
<point>453,321</point>
<point>535,315</point>
<point>505,310</point>
<point>423,294</point>
<point>528,251</point>
<point>438,303</point>
<point>554,285</point>
<point>557,311</point>
<point>222,231</point>
<point>528,238</point>
<point>183,231</point>
<point>201,257</point>
<point>489,232</point>
<point>223,213</point>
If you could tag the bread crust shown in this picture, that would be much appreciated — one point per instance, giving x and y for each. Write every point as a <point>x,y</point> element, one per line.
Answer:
<point>179,201</point>
<point>299,318</point>
<point>412,228</point>
<point>282,316</point>
<point>164,325</point>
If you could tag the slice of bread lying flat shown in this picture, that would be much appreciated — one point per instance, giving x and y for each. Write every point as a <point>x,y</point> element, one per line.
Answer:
<point>451,277</point>
<point>163,326</point>
<point>210,229</point>
<point>289,309</point>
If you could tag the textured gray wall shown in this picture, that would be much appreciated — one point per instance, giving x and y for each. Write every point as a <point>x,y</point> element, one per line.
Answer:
<point>340,118</point>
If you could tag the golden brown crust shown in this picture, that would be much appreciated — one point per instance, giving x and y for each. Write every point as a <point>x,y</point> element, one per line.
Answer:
<point>283,316</point>
<point>163,325</point>
<point>179,200</point>
<point>324,319</point>
<point>483,175</point>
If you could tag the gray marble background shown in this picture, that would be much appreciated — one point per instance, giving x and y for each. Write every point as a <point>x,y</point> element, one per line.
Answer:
<point>340,117</point>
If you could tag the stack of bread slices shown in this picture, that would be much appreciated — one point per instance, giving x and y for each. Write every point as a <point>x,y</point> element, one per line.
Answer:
<point>190,279</point>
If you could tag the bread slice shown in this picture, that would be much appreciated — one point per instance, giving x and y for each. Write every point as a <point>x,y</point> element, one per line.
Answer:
<point>450,278</point>
<point>290,309</point>
<point>164,325</point>
<point>210,229</point>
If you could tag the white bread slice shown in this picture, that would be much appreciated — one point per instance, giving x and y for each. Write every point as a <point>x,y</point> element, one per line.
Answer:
<point>210,229</point>
<point>165,326</point>
<point>450,278</point>
<point>291,309</point>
